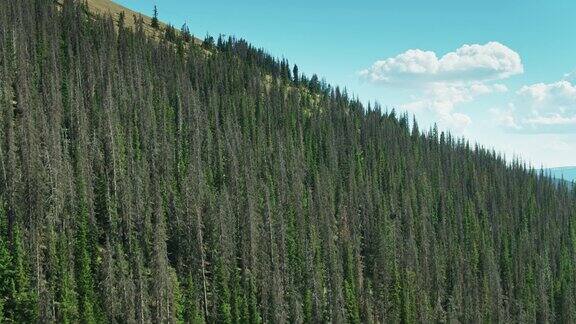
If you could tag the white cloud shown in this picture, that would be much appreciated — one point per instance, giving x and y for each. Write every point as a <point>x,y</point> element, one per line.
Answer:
<point>480,88</point>
<point>549,98</point>
<point>498,87</point>
<point>455,121</point>
<point>554,119</point>
<point>570,77</point>
<point>441,84</point>
<point>469,63</point>
<point>444,98</point>
<point>505,117</point>
<point>544,108</point>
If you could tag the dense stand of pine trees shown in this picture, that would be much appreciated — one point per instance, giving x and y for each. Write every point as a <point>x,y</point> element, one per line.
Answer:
<point>163,181</point>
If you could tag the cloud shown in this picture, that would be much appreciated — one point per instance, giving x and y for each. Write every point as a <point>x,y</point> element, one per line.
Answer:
<point>498,87</point>
<point>441,84</point>
<point>552,120</point>
<point>543,108</point>
<point>469,63</point>
<point>505,117</point>
<point>570,77</point>
<point>443,99</point>
<point>455,121</point>
<point>541,98</point>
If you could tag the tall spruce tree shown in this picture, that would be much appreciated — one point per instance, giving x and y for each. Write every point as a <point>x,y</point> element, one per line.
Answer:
<point>155,22</point>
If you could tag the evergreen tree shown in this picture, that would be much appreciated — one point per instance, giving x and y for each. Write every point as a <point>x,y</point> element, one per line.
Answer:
<point>295,74</point>
<point>155,23</point>
<point>185,32</point>
<point>170,33</point>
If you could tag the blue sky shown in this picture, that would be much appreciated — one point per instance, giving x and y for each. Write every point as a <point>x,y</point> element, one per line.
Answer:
<point>496,72</point>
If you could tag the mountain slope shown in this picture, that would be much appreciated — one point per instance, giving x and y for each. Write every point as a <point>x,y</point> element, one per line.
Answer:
<point>142,180</point>
<point>107,6</point>
<point>114,10</point>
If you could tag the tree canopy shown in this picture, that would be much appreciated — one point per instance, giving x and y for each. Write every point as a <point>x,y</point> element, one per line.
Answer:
<point>154,180</point>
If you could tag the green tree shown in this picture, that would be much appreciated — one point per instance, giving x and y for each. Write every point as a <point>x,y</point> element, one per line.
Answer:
<point>185,32</point>
<point>155,23</point>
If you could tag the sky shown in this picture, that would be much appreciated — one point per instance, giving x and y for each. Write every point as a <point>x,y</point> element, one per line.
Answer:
<point>499,73</point>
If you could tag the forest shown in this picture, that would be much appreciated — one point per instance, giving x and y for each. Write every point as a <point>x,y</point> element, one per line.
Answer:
<point>163,180</point>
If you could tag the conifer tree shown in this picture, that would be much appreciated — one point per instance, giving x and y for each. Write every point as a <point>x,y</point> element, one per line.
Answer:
<point>185,32</point>
<point>155,23</point>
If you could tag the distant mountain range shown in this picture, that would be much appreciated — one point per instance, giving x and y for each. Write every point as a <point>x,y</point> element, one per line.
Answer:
<point>566,173</point>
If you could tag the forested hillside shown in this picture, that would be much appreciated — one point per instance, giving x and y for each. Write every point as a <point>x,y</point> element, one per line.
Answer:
<point>146,180</point>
